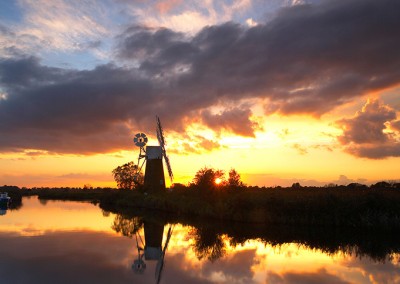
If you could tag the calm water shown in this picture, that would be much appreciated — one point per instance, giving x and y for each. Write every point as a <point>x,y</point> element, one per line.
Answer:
<point>72,242</point>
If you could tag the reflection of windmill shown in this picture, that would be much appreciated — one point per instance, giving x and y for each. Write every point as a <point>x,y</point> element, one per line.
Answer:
<point>153,155</point>
<point>152,248</point>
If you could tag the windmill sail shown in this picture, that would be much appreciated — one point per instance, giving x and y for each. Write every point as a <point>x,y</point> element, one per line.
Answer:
<point>161,141</point>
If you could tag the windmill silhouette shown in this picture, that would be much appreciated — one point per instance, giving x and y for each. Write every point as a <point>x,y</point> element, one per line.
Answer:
<point>152,156</point>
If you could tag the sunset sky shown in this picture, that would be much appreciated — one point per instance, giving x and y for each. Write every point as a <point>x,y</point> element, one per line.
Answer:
<point>281,90</point>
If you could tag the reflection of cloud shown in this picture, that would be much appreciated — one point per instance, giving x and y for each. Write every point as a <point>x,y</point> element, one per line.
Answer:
<point>235,268</point>
<point>69,257</point>
<point>319,277</point>
<point>387,272</point>
<point>364,135</point>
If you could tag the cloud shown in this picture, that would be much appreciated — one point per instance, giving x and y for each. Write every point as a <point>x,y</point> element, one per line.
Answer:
<point>188,16</point>
<point>395,125</point>
<point>197,144</point>
<point>309,59</point>
<point>61,25</point>
<point>344,180</point>
<point>300,149</point>
<point>366,135</point>
<point>235,120</point>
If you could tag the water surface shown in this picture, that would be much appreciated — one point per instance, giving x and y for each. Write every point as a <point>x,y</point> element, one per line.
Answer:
<point>75,242</point>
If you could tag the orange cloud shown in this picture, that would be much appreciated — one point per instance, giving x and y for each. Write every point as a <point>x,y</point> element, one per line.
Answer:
<point>365,134</point>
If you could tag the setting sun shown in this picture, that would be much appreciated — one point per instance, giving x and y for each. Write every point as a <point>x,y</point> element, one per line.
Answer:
<point>218,181</point>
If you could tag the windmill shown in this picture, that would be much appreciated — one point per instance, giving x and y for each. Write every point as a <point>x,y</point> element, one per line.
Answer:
<point>153,155</point>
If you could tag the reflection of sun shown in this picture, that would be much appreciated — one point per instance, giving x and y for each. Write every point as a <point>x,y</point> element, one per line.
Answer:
<point>218,181</point>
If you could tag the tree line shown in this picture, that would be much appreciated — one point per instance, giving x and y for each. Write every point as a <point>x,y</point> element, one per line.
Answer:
<point>208,178</point>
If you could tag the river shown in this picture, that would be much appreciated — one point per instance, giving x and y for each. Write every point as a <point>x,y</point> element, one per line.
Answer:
<point>77,242</point>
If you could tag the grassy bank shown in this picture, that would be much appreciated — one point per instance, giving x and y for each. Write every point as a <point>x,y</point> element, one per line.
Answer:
<point>364,207</point>
<point>333,207</point>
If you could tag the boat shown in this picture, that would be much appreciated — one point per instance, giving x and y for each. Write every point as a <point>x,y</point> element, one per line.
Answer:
<point>4,199</point>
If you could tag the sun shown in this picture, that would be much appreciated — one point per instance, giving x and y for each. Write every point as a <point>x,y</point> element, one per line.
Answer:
<point>217,181</point>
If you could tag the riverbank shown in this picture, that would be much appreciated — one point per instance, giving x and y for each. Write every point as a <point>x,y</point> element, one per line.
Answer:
<point>340,207</point>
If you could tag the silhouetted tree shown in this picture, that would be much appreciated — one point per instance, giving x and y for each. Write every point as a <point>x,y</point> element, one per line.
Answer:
<point>381,184</point>
<point>355,185</point>
<point>126,177</point>
<point>87,186</point>
<point>234,180</point>
<point>296,185</point>
<point>205,178</point>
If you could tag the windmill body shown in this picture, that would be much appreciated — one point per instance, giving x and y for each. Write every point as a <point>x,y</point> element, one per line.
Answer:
<point>154,174</point>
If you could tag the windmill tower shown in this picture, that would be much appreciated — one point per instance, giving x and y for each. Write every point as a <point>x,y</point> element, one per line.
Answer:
<point>154,179</point>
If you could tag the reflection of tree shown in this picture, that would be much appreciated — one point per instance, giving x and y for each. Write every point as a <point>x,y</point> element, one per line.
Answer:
<point>127,227</point>
<point>207,243</point>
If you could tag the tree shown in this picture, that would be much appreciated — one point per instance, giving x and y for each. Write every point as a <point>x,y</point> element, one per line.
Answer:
<point>126,176</point>
<point>209,178</point>
<point>234,180</point>
<point>296,185</point>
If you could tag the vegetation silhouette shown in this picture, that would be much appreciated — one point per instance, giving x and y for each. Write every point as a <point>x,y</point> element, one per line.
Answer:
<point>128,227</point>
<point>360,221</point>
<point>354,206</point>
<point>126,178</point>
<point>207,243</point>
<point>210,238</point>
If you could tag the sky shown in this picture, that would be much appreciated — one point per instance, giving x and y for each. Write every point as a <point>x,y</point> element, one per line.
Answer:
<point>282,91</point>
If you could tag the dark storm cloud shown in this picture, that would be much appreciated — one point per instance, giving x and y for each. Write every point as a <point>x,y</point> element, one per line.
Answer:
<point>308,59</point>
<point>364,135</point>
